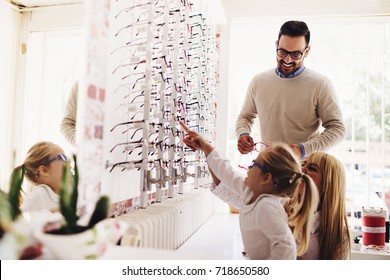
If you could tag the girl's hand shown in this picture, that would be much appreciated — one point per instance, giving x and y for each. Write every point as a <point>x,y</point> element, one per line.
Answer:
<point>195,141</point>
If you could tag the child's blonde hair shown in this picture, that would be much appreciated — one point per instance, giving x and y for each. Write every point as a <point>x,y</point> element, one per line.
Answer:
<point>37,155</point>
<point>287,175</point>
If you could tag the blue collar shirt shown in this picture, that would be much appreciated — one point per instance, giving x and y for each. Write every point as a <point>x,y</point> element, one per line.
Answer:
<point>292,75</point>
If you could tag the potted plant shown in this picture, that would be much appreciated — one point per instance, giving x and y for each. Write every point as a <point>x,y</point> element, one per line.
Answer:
<point>10,210</point>
<point>68,238</point>
<point>16,240</point>
<point>356,244</point>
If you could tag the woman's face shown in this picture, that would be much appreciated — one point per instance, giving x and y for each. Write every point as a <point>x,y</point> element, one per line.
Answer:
<point>55,168</point>
<point>313,170</point>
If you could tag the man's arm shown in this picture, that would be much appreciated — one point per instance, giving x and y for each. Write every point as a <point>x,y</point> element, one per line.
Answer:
<point>329,112</point>
<point>68,123</point>
<point>245,122</point>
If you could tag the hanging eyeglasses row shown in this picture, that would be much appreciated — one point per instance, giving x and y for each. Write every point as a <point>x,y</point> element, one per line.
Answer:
<point>164,65</point>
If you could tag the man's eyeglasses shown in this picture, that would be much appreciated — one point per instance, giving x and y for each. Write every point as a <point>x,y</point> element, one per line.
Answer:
<point>255,163</point>
<point>60,157</point>
<point>296,55</point>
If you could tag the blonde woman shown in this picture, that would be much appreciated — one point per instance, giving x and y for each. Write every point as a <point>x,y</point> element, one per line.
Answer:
<point>273,177</point>
<point>330,237</point>
<point>43,168</point>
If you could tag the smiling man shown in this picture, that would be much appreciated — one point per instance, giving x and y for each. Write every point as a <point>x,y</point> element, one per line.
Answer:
<point>294,104</point>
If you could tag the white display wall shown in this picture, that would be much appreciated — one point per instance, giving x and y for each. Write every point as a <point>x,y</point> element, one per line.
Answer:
<point>148,65</point>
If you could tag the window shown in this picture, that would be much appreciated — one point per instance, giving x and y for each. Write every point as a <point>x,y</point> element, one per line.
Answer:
<point>53,65</point>
<point>355,54</point>
<point>37,79</point>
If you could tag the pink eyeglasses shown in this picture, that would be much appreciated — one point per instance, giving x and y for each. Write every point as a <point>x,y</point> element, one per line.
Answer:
<point>258,147</point>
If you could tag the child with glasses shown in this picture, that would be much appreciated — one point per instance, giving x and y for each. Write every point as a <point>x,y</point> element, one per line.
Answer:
<point>274,179</point>
<point>43,168</point>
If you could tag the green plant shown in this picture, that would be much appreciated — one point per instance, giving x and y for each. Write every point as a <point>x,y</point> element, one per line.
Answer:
<point>68,204</point>
<point>9,203</point>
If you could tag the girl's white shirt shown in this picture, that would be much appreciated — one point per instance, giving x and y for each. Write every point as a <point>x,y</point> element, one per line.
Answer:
<point>42,197</point>
<point>264,225</point>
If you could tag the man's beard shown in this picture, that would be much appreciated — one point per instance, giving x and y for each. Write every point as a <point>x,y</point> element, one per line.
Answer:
<point>281,64</point>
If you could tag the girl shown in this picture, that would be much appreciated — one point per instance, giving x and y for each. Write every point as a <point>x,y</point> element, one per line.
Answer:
<point>43,168</point>
<point>330,238</point>
<point>273,177</point>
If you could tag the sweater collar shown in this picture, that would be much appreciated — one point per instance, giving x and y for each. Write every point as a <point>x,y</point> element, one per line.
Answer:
<point>292,75</point>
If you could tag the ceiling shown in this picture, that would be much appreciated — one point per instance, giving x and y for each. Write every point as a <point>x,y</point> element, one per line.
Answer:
<point>267,8</point>
<point>40,3</point>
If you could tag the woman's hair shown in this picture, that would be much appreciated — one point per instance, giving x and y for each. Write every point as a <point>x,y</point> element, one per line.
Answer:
<point>333,223</point>
<point>37,155</point>
<point>287,175</point>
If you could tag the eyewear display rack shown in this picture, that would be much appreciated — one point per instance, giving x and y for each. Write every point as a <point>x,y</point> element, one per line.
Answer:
<point>162,70</point>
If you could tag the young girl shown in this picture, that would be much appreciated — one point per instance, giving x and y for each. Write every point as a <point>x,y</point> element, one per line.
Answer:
<point>273,177</point>
<point>330,238</point>
<point>43,168</point>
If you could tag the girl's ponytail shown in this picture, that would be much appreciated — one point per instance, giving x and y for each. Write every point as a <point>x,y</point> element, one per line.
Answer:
<point>301,220</point>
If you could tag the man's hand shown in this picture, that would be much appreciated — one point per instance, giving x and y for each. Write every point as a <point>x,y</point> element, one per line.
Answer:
<point>245,144</point>
<point>297,150</point>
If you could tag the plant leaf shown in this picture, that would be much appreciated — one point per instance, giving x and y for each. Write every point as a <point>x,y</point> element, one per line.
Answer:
<point>100,212</point>
<point>68,211</point>
<point>5,213</point>
<point>75,191</point>
<point>16,182</point>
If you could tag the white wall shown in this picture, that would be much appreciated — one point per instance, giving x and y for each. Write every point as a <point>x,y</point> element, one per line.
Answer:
<point>9,48</point>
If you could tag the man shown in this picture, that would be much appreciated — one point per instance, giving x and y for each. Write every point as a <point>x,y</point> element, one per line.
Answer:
<point>293,103</point>
<point>68,123</point>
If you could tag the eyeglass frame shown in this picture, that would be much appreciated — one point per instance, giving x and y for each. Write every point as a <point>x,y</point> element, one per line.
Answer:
<point>60,157</point>
<point>260,144</point>
<point>255,163</point>
<point>291,53</point>
<point>368,209</point>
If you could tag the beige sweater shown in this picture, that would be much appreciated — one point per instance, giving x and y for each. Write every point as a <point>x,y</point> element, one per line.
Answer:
<point>68,124</point>
<point>293,110</point>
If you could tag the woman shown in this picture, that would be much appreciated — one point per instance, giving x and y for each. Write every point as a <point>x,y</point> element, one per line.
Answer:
<point>43,168</point>
<point>330,237</point>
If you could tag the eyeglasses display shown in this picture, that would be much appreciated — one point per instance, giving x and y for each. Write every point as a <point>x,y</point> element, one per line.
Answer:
<point>162,67</point>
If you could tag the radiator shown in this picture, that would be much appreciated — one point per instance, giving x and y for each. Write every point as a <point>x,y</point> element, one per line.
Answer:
<point>167,225</point>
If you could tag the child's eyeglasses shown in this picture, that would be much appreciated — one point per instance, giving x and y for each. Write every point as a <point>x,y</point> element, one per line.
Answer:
<point>254,163</point>
<point>60,157</point>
